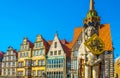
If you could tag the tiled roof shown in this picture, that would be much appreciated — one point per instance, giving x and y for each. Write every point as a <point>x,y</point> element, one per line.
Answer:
<point>15,53</point>
<point>77,32</point>
<point>1,54</point>
<point>50,42</point>
<point>104,34</point>
<point>46,44</point>
<point>30,43</point>
<point>64,44</point>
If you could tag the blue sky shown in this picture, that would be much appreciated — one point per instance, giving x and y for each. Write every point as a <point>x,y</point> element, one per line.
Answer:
<point>20,18</point>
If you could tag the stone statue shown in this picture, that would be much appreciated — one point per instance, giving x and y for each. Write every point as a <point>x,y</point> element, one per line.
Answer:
<point>92,69</point>
<point>92,65</point>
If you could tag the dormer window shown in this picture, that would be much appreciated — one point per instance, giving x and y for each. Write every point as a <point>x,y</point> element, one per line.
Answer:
<point>55,45</point>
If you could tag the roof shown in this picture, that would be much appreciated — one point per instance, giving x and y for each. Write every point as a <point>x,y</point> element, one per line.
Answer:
<point>104,34</point>
<point>77,32</point>
<point>26,40</point>
<point>64,45</point>
<point>50,42</point>
<point>1,54</point>
<point>30,43</point>
<point>46,44</point>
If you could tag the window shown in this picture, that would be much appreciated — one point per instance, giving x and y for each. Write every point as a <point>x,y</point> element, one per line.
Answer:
<point>11,52</point>
<point>39,73</point>
<point>9,57</point>
<point>36,45</point>
<point>26,54</point>
<point>23,54</point>
<point>51,52</point>
<point>26,72</point>
<point>39,52</point>
<point>41,44</point>
<point>68,64</point>
<point>55,45</point>
<point>34,72</point>
<point>13,71</point>
<point>13,64</point>
<point>4,58</point>
<point>8,63</point>
<point>75,64</point>
<point>59,52</point>
<point>43,72</point>
<point>55,53</point>
<point>5,64</point>
<point>34,63</point>
<point>42,62</point>
<point>34,53</point>
<point>14,57</point>
<point>79,42</point>
<point>27,63</point>
<point>39,62</point>
<point>25,46</point>
<point>20,55</point>
<point>8,71</point>
<point>42,51</point>
<point>75,53</point>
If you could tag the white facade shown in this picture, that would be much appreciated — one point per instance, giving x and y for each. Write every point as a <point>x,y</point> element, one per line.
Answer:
<point>9,63</point>
<point>56,55</point>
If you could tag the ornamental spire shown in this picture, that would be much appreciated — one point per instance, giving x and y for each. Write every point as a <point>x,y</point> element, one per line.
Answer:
<point>91,4</point>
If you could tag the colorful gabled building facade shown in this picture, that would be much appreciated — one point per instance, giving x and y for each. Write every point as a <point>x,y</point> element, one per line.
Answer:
<point>39,52</point>
<point>9,63</point>
<point>24,65</point>
<point>58,59</point>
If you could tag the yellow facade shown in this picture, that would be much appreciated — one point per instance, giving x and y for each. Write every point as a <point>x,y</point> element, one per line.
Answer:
<point>24,59</point>
<point>39,57</point>
<point>117,69</point>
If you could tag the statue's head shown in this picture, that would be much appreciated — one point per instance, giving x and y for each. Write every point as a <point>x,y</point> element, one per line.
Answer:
<point>90,30</point>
